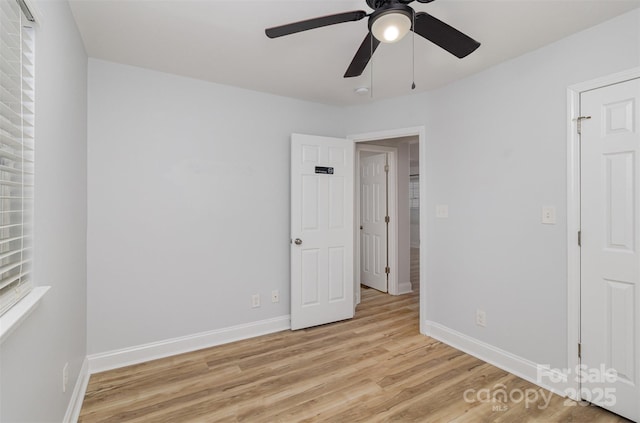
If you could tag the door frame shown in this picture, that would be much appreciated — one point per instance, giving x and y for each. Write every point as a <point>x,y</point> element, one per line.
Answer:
<point>420,132</point>
<point>573,218</point>
<point>392,205</point>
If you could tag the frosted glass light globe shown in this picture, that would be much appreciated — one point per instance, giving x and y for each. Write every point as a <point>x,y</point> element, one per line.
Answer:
<point>391,27</point>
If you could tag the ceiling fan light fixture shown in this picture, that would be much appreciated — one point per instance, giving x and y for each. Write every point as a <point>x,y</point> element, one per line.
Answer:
<point>389,22</point>
<point>391,26</point>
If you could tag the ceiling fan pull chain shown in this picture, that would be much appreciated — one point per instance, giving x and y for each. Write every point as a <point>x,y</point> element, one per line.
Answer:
<point>413,53</point>
<point>371,70</point>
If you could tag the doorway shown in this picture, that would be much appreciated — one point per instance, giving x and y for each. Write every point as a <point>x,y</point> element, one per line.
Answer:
<point>409,146</point>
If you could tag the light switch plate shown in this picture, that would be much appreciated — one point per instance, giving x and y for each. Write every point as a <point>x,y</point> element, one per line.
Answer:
<point>442,211</point>
<point>549,215</point>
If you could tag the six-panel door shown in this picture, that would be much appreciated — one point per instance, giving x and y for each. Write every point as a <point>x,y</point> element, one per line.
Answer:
<point>610,262</point>
<point>322,220</point>
<point>373,209</point>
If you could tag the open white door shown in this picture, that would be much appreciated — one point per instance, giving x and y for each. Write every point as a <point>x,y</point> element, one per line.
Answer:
<point>373,224</point>
<point>610,261</point>
<point>321,230</point>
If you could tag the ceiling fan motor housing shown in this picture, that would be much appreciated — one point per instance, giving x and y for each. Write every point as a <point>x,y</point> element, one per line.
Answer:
<point>391,8</point>
<point>377,4</point>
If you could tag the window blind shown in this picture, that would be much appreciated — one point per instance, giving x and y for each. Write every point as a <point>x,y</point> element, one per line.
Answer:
<point>16,153</point>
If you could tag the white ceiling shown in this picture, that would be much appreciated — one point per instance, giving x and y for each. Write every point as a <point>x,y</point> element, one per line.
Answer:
<point>223,41</point>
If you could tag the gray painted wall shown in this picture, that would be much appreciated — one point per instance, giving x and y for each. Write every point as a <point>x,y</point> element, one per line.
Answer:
<point>189,203</point>
<point>32,357</point>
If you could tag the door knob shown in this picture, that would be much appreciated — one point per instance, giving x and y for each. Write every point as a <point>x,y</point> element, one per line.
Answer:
<point>298,241</point>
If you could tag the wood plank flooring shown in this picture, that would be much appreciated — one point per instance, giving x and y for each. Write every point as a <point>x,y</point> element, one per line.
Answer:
<point>373,368</point>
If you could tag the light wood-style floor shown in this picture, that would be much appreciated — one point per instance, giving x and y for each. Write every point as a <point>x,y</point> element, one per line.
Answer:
<point>373,368</point>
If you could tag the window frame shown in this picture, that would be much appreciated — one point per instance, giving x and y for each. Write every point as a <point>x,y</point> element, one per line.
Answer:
<point>18,295</point>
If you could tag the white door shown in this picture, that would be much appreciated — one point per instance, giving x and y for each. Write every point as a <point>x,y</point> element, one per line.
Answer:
<point>610,262</point>
<point>321,230</point>
<point>373,227</point>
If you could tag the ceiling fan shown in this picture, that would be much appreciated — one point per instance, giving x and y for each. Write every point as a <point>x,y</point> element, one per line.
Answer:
<point>389,22</point>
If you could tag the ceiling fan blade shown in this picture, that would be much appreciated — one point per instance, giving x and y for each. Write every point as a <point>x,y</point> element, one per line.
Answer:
<point>292,28</point>
<point>444,35</point>
<point>424,1</point>
<point>362,57</point>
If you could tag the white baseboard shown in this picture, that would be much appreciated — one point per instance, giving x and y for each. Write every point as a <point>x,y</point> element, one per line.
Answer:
<point>404,288</point>
<point>138,354</point>
<point>550,379</point>
<point>77,396</point>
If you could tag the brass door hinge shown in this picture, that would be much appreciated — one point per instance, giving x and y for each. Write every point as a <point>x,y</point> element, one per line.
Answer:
<point>387,270</point>
<point>387,219</point>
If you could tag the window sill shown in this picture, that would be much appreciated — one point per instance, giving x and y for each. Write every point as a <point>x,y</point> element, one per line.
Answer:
<point>12,318</point>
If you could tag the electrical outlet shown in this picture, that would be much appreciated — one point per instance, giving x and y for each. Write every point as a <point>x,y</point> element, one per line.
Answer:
<point>481,318</point>
<point>65,377</point>
<point>275,296</point>
<point>255,301</point>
